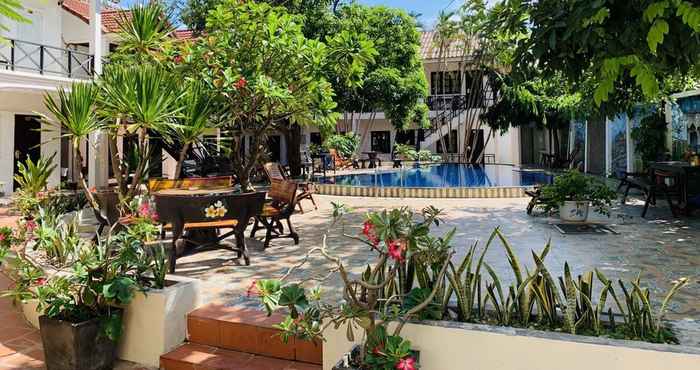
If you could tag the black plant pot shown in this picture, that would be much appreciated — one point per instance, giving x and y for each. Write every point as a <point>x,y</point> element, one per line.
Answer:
<point>76,346</point>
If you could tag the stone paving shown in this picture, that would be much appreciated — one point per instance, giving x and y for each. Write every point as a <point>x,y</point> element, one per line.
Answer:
<point>660,248</point>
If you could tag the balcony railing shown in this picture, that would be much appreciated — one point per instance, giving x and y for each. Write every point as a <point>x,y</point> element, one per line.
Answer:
<point>458,102</point>
<point>25,56</point>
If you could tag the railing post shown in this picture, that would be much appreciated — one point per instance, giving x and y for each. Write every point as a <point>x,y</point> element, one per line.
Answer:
<point>70,61</point>
<point>12,54</point>
<point>41,59</point>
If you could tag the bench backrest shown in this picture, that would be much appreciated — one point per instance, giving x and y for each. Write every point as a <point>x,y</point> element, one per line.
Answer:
<point>188,183</point>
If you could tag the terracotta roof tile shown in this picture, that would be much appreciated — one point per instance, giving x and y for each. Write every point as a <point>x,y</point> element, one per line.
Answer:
<point>81,9</point>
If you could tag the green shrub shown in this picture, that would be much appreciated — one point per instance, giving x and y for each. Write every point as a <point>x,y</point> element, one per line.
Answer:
<point>575,186</point>
<point>345,144</point>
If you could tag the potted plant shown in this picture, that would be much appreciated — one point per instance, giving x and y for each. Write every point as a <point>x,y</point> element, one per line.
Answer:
<point>380,301</point>
<point>572,193</point>
<point>82,307</point>
<point>155,319</point>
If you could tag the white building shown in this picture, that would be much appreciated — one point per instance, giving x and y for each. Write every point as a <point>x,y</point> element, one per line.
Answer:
<point>449,81</point>
<point>57,47</point>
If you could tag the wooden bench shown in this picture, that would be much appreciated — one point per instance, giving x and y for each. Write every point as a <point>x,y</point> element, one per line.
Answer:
<point>155,185</point>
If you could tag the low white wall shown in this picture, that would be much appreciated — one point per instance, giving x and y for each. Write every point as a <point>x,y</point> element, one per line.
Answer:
<point>450,346</point>
<point>156,323</point>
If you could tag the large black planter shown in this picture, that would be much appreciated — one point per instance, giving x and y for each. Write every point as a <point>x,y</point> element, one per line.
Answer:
<point>70,346</point>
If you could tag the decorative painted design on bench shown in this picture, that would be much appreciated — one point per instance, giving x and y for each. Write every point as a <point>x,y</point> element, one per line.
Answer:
<point>216,210</point>
<point>396,192</point>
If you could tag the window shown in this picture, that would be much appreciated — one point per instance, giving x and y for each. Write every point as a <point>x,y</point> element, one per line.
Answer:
<point>381,141</point>
<point>315,138</point>
<point>449,83</point>
<point>406,137</point>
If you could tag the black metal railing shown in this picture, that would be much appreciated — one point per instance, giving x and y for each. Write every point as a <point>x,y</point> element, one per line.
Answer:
<point>28,56</point>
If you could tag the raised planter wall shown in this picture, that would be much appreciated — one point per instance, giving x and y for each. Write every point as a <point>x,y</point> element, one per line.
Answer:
<point>156,323</point>
<point>450,345</point>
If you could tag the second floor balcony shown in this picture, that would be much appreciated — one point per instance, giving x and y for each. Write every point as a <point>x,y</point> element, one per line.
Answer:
<point>25,56</point>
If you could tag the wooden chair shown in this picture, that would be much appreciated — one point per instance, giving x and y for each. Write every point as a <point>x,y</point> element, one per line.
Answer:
<point>535,199</point>
<point>274,170</point>
<point>338,161</point>
<point>651,187</point>
<point>280,207</point>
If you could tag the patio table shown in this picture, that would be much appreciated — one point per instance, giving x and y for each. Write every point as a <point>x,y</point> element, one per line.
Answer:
<point>202,213</point>
<point>688,178</point>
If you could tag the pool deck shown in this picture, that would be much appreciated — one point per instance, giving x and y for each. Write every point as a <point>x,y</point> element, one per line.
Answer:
<point>660,248</point>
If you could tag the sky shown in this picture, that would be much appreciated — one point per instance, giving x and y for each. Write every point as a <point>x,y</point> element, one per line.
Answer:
<point>428,8</point>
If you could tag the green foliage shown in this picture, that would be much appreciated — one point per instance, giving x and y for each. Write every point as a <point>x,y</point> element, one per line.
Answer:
<point>58,241</point>
<point>11,10</point>
<point>33,180</point>
<point>575,186</point>
<point>267,74</point>
<point>145,34</point>
<point>621,47</point>
<point>650,137</point>
<point>408,152</point>
<point>345,144</point>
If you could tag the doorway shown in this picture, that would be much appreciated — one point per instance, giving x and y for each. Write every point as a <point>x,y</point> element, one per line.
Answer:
<point>27,140</point>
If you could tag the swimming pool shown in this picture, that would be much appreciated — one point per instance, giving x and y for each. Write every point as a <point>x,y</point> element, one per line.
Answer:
<point>446,175</point>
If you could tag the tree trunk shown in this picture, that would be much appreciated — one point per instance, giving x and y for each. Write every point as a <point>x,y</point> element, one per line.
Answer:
<point>183,156</point>
<point>293,138</point>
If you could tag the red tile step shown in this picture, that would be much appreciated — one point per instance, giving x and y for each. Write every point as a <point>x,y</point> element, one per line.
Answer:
<point>192,356</point>
<point>247,330</point>
<point>221,335</point>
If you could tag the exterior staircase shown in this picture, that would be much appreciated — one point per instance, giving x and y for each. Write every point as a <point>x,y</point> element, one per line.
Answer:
<point>226,338</point>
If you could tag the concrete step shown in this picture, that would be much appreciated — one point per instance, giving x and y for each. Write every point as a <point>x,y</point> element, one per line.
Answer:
<point>192,356</point>
<point>247,330</point>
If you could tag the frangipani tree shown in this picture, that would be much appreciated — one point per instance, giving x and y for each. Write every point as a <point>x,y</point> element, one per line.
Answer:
<point>266,74</point>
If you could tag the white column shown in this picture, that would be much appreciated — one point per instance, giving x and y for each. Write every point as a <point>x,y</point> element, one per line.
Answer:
<point>98,163</point>
<point>96,34</point>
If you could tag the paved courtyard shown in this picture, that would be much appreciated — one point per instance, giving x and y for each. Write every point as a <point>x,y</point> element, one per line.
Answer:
<point>660,248</point>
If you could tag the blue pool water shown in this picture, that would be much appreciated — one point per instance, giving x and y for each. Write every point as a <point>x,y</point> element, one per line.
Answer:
<point>444,175</point>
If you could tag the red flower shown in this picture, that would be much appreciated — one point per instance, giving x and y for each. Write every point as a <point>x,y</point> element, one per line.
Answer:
<point>369,232</point>
<point>395,249</point>
<point>241,83</point>
<point>406,363</point>
<point>40,281</point>
<point>253,290</point>
<point>30,225</point>
<point>2,237</point>
<point>177,59</point>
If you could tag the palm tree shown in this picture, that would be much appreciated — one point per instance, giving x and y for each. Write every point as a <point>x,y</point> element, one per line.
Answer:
<point>77,119</point>
<point>140,99</point>
<point>144,32</point>
<point>193,121</point>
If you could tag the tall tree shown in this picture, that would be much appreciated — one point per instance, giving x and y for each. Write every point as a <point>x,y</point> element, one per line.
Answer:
<point>267,74</point>
<point>620,45</point>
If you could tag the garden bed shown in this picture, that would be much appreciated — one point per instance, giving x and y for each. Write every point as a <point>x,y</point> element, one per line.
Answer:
<point>443,344</point>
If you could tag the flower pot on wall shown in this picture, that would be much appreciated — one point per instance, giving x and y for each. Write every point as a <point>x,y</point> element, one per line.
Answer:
<point>156,322</point>
<point>76,346</point>
<point>574,211</point>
